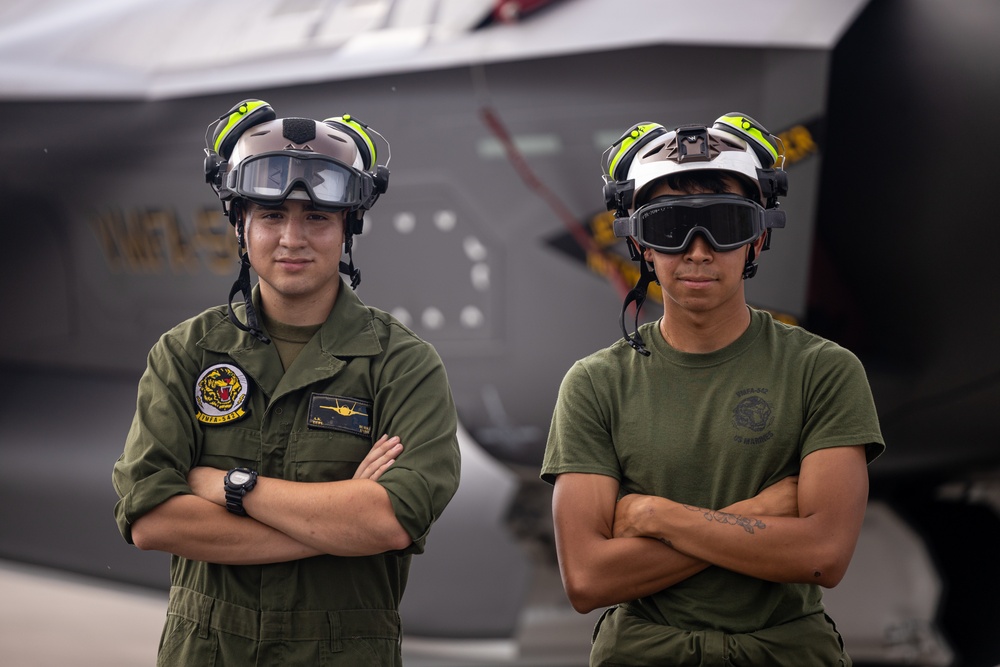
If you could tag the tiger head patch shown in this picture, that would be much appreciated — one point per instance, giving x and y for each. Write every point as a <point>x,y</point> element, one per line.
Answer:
<point>221,394</point>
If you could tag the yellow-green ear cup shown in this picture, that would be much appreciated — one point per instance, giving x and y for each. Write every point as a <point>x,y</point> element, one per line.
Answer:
<point>752,132</point>
<point>240,118</point>
<point>629,145</point>
<point>357,131</point>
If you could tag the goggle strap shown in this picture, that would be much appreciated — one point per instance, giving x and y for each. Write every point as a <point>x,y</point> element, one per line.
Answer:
<point>242,285</point>
<point>774,218</point>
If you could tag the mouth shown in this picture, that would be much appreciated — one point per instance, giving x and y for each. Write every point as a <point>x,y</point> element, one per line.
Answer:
<point>292,265</point>
<point>696,282</point>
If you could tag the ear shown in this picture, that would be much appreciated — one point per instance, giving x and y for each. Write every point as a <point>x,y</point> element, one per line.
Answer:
<point>647,254</point>
<point>239,219</point>
<point>758,245</point>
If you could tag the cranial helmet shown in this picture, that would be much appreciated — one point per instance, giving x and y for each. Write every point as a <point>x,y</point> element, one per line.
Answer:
<point>735,145</point>
<point>253,156</point>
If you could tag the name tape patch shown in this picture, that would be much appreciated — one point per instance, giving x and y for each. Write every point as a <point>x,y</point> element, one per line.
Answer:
<point>340,413</point>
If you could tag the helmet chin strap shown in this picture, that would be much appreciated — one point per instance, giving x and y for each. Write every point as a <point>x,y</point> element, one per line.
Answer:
<point>636,295</point>
<point>242,285</point>
<point>750,268</point>
<point>349,268</point>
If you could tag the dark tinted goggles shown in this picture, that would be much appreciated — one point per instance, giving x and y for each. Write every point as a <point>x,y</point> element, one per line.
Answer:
<point>270,177</point>
<point>668,224</point>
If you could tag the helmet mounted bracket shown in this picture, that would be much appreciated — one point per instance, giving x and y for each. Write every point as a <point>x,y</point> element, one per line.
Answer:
<point>693,144</point>
<point>618,196</point>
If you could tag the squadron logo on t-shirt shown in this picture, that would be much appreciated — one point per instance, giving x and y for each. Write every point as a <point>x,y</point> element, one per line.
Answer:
<point>753,413</point>
<point>221,394</point>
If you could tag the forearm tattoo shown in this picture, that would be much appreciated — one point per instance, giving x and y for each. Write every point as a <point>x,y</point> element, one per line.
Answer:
<point>748,523</point>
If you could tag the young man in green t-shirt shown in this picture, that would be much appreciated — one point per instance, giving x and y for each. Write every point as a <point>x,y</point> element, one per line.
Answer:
<point>710,469</point>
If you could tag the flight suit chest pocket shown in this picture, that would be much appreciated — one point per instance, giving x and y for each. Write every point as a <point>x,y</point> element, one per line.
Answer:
<point>227,447</point>
<point>327,455</point>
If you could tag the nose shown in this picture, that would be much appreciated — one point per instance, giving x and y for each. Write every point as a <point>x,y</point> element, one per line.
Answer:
<point>293,234</point>
<point>699,250</point>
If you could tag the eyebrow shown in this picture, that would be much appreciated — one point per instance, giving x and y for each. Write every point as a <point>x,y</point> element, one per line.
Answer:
<point>282,207</point>
<point>271,207</point>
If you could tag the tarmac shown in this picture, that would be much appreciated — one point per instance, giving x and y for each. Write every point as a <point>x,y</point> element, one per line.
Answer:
<point>49,617</point>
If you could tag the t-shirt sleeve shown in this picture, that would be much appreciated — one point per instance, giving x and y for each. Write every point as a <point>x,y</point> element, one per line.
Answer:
<point>580,434</point>
<point>840,409</point>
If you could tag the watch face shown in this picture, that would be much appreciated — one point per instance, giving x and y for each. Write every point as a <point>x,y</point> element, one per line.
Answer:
<point>238,477</point>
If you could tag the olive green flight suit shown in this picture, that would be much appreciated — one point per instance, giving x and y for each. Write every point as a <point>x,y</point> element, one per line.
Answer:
<point>362,375</point>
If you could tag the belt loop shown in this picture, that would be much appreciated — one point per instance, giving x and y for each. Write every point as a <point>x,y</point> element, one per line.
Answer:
<point>335,644</point>
<point>205,616</point>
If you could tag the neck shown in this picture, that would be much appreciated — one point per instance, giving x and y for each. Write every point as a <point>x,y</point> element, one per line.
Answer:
<point>701,333</point>
<point>299,311</point>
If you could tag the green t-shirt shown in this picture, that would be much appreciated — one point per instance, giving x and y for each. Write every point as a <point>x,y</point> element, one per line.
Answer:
<point>288,339</point>
<point>709,430</point>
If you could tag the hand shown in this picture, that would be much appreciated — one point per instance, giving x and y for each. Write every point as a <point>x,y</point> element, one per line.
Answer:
<point>630,513</point>
<point>382,455</point>
<point>779,499</point>
<point>208,483</point>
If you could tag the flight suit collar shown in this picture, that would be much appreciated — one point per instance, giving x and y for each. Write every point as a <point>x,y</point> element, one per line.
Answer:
<point>349,331</point>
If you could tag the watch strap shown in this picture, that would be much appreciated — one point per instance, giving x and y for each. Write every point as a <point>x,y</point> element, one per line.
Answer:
<point>236,492</point>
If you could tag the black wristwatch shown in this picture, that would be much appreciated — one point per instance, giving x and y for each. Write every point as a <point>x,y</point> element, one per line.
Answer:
<point>239,482</point>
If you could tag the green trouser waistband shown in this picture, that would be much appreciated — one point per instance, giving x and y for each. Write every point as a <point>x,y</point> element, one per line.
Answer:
<point>214,614</point>
<point>622,637</point>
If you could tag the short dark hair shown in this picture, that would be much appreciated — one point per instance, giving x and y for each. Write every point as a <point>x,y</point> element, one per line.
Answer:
<point>708,180</point>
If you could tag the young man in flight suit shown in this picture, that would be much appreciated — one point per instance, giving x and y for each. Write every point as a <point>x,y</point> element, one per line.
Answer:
<point>710,469</point>
<point>292,464</point>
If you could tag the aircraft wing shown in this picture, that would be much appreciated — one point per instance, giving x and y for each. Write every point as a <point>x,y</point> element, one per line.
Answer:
<point>148,49</point>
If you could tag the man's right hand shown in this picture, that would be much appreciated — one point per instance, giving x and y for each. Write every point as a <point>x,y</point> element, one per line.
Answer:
<point>382,455</point>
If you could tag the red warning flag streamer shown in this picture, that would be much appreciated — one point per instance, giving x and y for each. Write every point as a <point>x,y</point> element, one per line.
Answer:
<point>583,239</point>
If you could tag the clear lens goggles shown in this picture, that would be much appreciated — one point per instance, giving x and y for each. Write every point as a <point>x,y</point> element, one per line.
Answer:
<point>270,177</point>
<point>668,224</point>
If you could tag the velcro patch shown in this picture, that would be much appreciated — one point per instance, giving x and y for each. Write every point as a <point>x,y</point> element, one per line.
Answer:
<point>221,394</point>
<point>340,413</point>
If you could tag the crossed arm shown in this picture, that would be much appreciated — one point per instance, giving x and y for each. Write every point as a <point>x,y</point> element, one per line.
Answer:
<point>287,520</point>
<point>798,530</point>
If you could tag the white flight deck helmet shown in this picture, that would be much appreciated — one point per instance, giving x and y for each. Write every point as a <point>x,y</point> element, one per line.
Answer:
<point>253,156</point>
<point>735,144</point>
